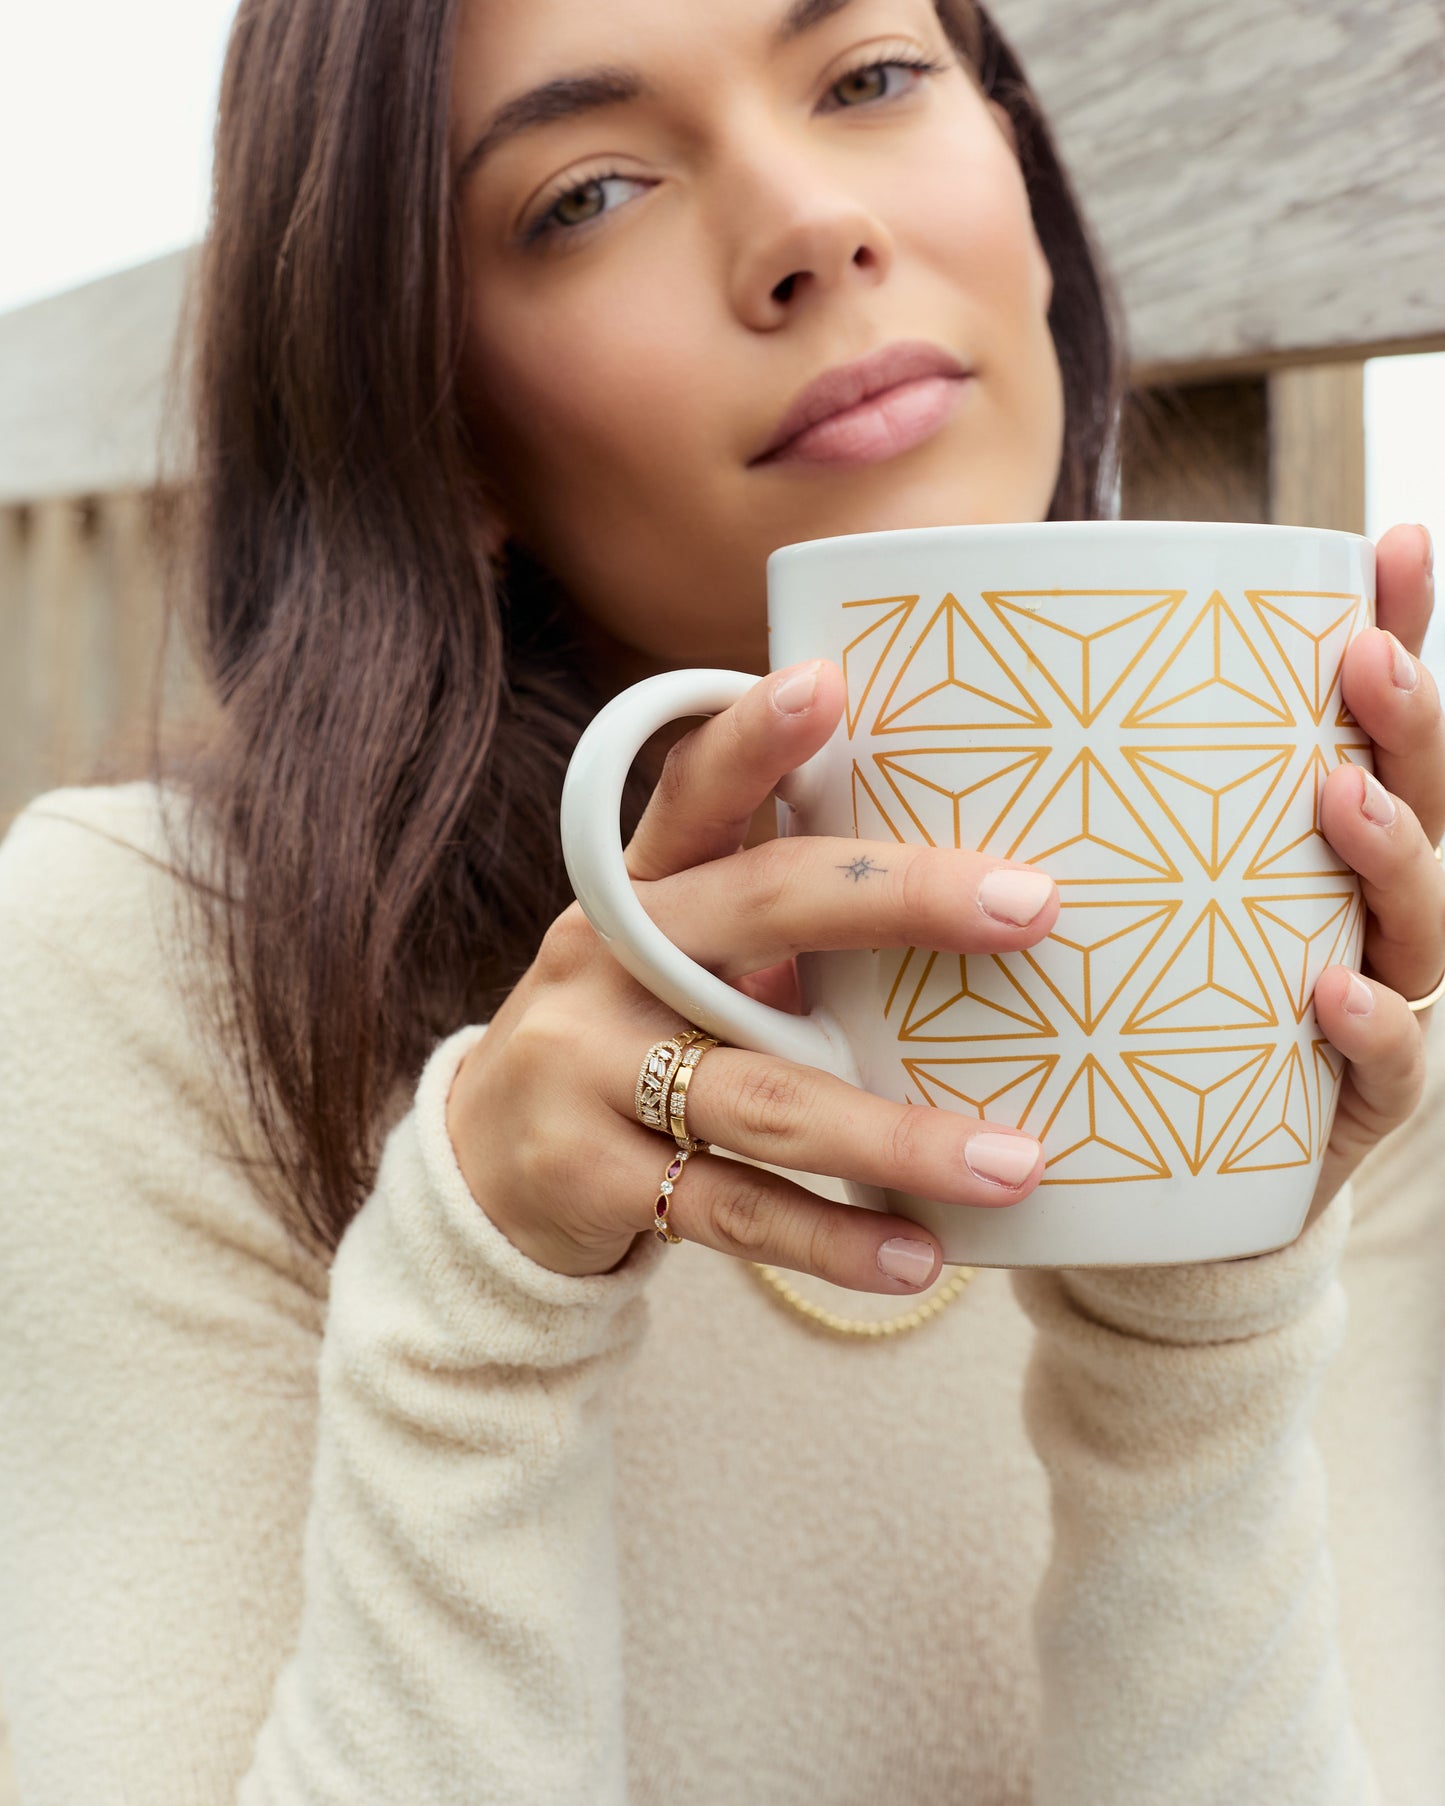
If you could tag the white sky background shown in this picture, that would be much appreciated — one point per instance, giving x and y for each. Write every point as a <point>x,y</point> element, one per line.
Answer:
<point>105,146</point>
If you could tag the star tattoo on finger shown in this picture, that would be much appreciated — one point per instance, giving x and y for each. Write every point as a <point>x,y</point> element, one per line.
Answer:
<point>861,869</point>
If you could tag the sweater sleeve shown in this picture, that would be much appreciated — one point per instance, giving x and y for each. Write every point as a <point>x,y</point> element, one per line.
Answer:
<point>271,1533</point>
<point>1186,1625</point>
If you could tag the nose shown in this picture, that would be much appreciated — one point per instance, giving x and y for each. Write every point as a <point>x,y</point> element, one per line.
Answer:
<point>803,233</point>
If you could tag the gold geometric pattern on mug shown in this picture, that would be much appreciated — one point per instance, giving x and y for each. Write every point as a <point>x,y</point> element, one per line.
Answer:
<point>1002,1088</point>
<point>1285,852</point>
<point>1365,618</point>
<point>1086,642</point>
<point>1210,985</point>
<point>871,820</point>
<point>1354,752</point>
<point>1313,657</point>
<point>1238,692</point>
<point>1086,831</point>
<point>903,966</point>
<point>993,779</point>
<point>1279,1134</point>
<point>1212,795</point>
<point>1198,1091</point>
<point>962,996</point>
<point>1302,934</point>
<point>1093,952</point>
<point>1329,1064</point>
<point>978,690</point>
<point>864,657</point>
<point>1096,1137</point>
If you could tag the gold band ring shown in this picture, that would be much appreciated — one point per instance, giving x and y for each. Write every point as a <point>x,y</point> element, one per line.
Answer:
<point>649,1100</point>
<point>661,1228</point>
<point>677,1092</point>
<point>1423,1003</point>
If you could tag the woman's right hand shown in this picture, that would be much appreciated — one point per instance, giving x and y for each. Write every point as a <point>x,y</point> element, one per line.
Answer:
<point>541,1112</point>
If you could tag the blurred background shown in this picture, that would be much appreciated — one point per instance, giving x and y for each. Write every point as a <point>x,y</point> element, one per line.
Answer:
<point>1270,195</point>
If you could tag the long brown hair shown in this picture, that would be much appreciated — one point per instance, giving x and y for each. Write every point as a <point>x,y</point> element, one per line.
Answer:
<point>372,851</point>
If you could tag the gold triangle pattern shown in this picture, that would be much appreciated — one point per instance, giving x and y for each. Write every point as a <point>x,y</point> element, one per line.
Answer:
<point>970,815</point>
<point>1314,656</point>
<point>865,655</point>
<point>1093,952</point>
<point>1329,1070</point>
<point>1000,1087</point>
<point>1198,1091</point>
<point>1211,795</point>
<point>1279,1134</point>
<point>1239,691</point>
<point>1209,983</point>
<point>871,820</point>
<point>1286,852</point>
<point>1086,831</point>
<point>1096,1137</point>
<point>978,690</point>
<point>1302,933</point>
<point>1086,642</point>
<point>971,997</point>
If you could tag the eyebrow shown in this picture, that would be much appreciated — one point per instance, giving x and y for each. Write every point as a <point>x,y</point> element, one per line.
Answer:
<point>590,90</point>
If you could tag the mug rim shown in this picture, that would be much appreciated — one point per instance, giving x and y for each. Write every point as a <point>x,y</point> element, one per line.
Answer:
<point>888,538</point>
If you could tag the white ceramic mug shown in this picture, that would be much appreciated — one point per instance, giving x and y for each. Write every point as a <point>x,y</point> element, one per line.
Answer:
<point>1145,710</point>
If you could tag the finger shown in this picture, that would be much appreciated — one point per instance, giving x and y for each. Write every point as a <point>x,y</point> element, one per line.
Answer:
<point>786,897</point>
<point>1405,584</point>
<point>715,777</point>
<point>1380,1038</point>
<point>1396,702</point>
<point>755,1215</point>
<point>1401,879</point>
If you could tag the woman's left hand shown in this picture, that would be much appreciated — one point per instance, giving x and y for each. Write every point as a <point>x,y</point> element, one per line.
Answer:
<point>1387,831</point>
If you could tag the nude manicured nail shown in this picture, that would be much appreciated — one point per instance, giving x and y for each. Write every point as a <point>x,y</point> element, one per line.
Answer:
<point>1359,998</point>
<point>1002,1159</point>
<point>1376,804</point>
<point>1403,668</point>
<point>794,694</point>
<point>912,1262</point>
<point>1015,897</point>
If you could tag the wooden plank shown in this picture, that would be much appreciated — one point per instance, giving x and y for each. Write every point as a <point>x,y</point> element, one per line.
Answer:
<point>1264,175</point>
<point>1317,446</point>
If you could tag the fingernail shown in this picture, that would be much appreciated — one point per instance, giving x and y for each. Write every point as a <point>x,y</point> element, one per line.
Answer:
<point>1002,1159</point>
<point>1359,998</point>
<point>1376,803</point>
<point>1403,668</point>
<point>1014,896</point>
<point>911,1262</point>
<point>794,693</point>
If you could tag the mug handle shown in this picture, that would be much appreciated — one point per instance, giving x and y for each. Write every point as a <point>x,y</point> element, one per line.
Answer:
<point>592,848</point>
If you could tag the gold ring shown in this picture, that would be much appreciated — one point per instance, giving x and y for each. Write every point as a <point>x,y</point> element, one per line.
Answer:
<point>649,1100</point>
<point>1440,853</point>
<point>1423,1003</point>
<point>677,1092</point>
<point>661,1228</point>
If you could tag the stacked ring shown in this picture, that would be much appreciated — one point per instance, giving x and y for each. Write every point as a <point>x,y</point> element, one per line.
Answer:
<point>677,1094</point>
<point>649,1102</point>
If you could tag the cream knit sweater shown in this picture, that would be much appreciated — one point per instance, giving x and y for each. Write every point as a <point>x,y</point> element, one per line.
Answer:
<point>440,1526</point>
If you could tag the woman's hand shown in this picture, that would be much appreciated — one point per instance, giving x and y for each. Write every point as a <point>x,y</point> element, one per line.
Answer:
<point>541,1112</point>
<point>1388,832</point>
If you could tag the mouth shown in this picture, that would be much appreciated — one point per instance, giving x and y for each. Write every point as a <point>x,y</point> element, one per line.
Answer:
<point>875,408</point>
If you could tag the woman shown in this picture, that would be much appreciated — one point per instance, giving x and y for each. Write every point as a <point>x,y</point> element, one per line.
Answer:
<point>363,1443</point>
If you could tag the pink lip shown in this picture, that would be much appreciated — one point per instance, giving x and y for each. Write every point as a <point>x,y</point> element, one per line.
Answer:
<point>912,384</point>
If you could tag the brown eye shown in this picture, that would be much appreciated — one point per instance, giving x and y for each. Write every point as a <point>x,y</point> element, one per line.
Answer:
<point>863,84</point>
<point>580,205</point>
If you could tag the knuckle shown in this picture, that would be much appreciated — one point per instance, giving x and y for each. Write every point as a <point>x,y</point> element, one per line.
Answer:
<point>906,1138</point>
<point>676,775</point>
<point>919,890</point>
<point>765,878</point>
<point>741,1218</point>
<point>568,947</point>
<point>767,1103</point>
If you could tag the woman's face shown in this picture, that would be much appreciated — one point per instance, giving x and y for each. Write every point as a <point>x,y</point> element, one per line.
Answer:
<point>754,193</point>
